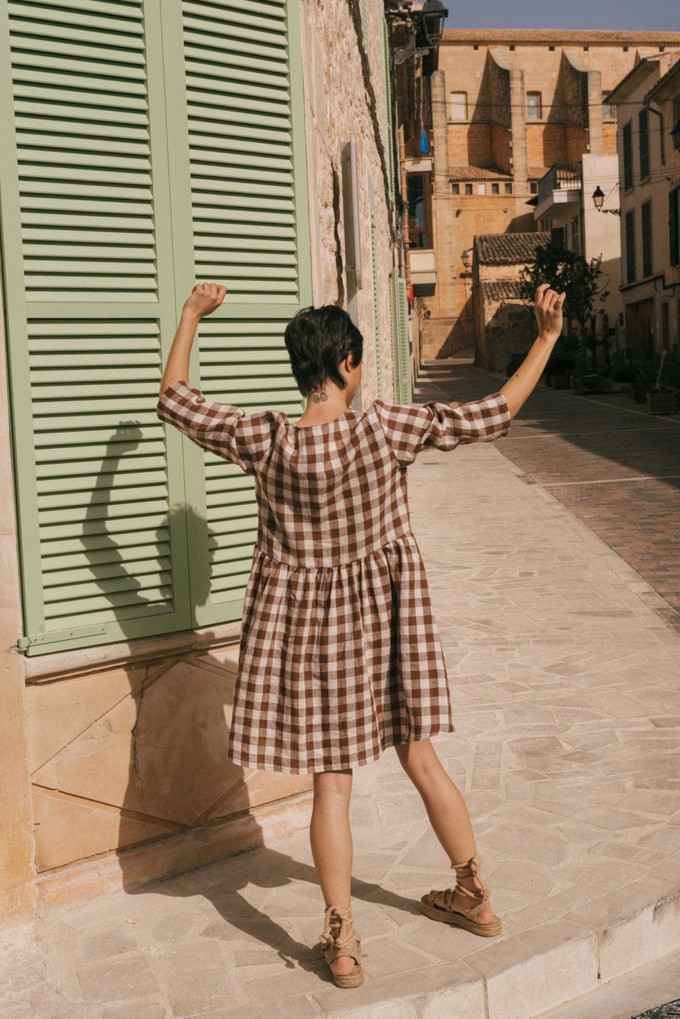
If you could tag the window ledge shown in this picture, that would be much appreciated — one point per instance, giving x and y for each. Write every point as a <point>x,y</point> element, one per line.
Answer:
<point>43,668</point>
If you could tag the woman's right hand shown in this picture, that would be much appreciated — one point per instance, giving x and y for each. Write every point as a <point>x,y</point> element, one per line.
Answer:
<point>548,310</point>
<point>204,299</point>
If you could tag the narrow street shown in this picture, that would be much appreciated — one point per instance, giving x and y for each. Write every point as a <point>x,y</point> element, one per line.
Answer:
<point>612,464</point>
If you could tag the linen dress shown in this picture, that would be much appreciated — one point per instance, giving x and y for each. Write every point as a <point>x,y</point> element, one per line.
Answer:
<point>340,656</point>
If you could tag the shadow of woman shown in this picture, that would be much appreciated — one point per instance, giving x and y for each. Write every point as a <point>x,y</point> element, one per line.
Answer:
<point>225,885</point>
<point>173,731</point>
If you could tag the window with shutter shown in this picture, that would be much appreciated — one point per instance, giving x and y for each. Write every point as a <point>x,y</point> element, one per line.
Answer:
<point>402,360</point>
<point>391,163</point>
<point>246,144</point>
<point>119,187</point>
<point>628,156</point>
<point>643,128</point>
<point>646,219</point>
<point>376,309</point>
<point>629,228</point>
<point>674,225</point>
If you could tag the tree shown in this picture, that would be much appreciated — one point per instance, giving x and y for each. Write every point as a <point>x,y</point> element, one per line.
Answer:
<point>568,271</point>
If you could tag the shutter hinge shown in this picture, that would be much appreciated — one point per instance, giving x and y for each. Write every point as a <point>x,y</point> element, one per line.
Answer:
<point>26,644</point>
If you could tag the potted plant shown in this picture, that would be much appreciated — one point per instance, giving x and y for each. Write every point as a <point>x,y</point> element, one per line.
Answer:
<point>562,362</point>
<point>661,399</point>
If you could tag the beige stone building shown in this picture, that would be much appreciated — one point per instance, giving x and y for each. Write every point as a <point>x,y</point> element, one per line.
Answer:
<point>139,154</point>
<point>511,105</point>
<point>648,105</point>
<point>503,322</point>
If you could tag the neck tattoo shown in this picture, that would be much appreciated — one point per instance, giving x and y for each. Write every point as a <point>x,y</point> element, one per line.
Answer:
<point>319,397</point>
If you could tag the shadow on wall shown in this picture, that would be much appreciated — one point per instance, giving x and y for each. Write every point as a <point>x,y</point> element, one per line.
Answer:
<point>159,755</point>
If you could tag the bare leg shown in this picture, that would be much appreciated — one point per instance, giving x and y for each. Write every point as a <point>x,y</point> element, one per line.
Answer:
<point>331,840</point>
<point>446,809</point>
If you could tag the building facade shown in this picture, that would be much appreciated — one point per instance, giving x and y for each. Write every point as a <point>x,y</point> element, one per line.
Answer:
<point>648,105</point>
<point>141,152</point>
<point>511,104</point>
<point>566,207</point>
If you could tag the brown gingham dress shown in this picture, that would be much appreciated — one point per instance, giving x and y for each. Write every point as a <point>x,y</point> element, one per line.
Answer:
<point>340,655</point>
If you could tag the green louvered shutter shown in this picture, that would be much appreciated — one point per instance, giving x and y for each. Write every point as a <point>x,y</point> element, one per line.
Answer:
<point>376,310</point>
<point>124,181</point>
<point>88,290</point>
<point>249,225</point>
<point>390,107</point>
<point>402,359</point>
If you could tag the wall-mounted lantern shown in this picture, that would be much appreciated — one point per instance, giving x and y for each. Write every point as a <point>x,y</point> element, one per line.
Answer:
<point>433,14</point>
<point>598,199</point>
<point>675,135</point>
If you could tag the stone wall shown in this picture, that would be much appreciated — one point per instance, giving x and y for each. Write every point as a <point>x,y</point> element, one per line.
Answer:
<point>496,69</point>
<point>344,96</point>
<point>121,749</point>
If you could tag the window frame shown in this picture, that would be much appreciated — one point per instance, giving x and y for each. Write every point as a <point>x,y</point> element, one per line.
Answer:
<point>538,108</point>
<point>643,144</point>
<point>464,105</point>
<point>629,235</point>
<point>627,155</point>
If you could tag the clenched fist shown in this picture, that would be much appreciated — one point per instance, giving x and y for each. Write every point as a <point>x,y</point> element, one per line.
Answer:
<point>204,299</point>
<point>548,310</point>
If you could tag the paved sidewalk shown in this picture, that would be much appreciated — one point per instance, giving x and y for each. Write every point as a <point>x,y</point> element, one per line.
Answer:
<point>607,459</point>
<point>567,701</point>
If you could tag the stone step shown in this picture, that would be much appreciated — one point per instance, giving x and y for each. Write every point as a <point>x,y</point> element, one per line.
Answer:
<point>640,994</point>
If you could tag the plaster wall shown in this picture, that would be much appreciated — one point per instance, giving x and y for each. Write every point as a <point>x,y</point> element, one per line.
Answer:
<point>602,230</point>
<point>17,868</point>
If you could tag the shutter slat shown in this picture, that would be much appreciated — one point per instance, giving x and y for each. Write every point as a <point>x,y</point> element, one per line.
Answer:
<point>74,130</point>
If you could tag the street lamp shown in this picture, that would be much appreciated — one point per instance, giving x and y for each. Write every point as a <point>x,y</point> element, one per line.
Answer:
<point>433,14</point>
<point>598,199</point>
<point>419,31</point>
<point>675,135</point>
<point>465,255</point>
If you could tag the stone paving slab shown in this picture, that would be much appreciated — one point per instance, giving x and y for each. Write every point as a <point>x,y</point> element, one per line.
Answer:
<point>567,704</point>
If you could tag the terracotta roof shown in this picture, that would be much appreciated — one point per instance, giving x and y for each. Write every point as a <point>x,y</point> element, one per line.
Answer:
<point>532,37</point>
<point>643,69</point>
<point>508,249</point>
<point>466,172</point>
<point>501,290</point>
<point>665,88</point>
<point>536,172</point>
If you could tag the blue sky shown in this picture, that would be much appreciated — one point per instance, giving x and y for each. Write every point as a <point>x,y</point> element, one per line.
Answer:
<point>624,15</point>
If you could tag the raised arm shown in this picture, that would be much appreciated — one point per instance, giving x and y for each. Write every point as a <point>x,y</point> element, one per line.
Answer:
<point>548,310</point>
<point>203,299</point>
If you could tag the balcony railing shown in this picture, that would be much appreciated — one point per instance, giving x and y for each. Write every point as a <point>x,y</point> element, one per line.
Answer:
<point>560,177</point>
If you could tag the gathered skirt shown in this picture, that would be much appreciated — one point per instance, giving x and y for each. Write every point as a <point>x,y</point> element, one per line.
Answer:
<point>337,663</point>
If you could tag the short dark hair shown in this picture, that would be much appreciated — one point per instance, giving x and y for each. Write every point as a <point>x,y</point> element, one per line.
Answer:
<point>318,341</point>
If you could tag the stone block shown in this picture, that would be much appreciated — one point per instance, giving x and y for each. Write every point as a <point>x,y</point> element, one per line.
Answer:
<point>60,712</point>
<point>160,752</point>
<point>638,939</point>
<point>68,830</point>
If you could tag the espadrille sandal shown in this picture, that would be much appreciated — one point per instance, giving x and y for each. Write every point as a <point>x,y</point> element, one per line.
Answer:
<point>466,920</point>
<point>340,938</point>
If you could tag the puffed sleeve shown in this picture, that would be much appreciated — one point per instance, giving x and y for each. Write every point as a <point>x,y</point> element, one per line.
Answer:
<point>218,427</point>
<point>442,425</point>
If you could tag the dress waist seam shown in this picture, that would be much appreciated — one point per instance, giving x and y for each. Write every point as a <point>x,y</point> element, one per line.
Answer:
<point>303,564</point>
